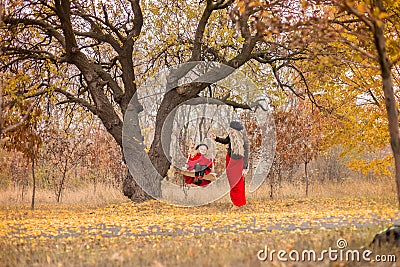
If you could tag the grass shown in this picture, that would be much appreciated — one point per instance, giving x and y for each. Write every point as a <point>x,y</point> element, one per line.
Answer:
<point>344,188</point>
<point>27,238</point>
<point>86,195</point>
<point>106,194</point>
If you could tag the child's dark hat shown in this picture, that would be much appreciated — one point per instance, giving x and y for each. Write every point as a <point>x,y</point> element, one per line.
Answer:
<point>236,125</point>
<point>199,145</point>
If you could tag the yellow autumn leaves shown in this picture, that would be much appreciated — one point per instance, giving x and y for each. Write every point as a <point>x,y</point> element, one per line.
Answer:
<point>156,234</point>
<point>155,218</point>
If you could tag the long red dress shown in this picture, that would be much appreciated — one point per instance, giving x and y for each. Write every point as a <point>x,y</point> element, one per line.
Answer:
<point>198,159</point>
<point>234,169</point>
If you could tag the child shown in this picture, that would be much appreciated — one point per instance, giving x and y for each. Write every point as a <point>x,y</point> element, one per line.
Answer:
<point>200,164</point>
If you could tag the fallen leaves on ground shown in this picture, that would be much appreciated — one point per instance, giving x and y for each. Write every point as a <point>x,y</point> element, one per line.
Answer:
<point>53,228</point>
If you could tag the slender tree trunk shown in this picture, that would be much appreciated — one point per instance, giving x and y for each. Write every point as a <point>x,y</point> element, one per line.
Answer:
<point>33,182</point>
<point>390,99</point>
<point>23,191</point>
<point>271,185</point>
<point>201,127</point>
<point>306,174</point>
<point>1,103</point>
<point>62,180</point>
<point>94,185</point>
<point>24,181</point>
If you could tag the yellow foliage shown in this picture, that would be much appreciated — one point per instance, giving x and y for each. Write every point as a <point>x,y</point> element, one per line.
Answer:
<point>379,167</point>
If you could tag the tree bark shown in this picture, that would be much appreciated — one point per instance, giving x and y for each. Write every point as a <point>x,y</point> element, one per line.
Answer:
<point>96,80</point>
<point>62,180</point>
<point>133,191</point>
<point>306,173</point>
<point>33,180</point>
<point>390,99</point>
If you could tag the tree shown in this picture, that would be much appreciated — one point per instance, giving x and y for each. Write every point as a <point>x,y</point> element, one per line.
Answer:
<point>299,135</point>
<point>14,109</point>
<point>370,28</point>
<point>369,32</point>
<point>19,118</point>
<point>25,139</point>
<point>92,51</point>
<point>63,150</point>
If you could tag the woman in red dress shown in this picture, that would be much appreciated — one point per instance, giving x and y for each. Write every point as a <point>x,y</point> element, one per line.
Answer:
<point>200,164</point>
<point>237,158</point>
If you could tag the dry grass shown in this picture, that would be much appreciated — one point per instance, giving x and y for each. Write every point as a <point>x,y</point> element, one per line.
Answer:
<point>89,196</point>
<point>356,188</point>
<point>104,194</point>
<point>200,249</point>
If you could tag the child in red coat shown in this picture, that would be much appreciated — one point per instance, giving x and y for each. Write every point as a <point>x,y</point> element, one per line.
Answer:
<point>200,164</point>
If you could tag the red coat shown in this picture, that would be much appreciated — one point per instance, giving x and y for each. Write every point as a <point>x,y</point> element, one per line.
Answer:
<point>199,159</point>
<point>192,161</point>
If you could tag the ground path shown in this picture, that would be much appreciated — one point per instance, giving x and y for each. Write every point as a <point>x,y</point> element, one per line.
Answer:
<point>158,219</point>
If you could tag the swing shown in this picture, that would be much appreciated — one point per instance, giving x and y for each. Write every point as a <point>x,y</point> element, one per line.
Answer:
<point>198,171</point>
<point>211,176</point>
<point>202,166</point>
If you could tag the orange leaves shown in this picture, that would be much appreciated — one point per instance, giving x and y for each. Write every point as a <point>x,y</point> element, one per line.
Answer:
<point>370,13</point>
<point>298,130</point>
<point>362,7</point>
<point>379,166</point>
<point>243,5</point>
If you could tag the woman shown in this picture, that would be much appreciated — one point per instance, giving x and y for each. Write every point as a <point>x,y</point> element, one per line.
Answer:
<point>236,161</point>
<point>199,163</point>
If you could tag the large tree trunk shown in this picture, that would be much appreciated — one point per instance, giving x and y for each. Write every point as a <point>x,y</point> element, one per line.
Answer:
<point>390,99</point>
<point>159,152</point>
<point>142,182</point>
<point>132,190</point>
<point>96,79</point>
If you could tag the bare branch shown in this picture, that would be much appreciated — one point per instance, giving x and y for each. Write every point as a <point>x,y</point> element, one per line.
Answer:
<point>21,122</point>
<point>216,101</point>
<point>32,53</point>
<point>73,99</point>
<point>49,29</point>
<point>359,15</point>
<point>267,57</point>
<point>198,37</point>
<point>96,32</point>
<point>137,20</point>
<point>358,49</point>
